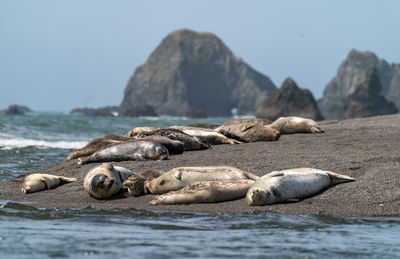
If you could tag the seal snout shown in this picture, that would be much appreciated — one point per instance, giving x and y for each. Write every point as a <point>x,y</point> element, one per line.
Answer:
<point>147,187</point>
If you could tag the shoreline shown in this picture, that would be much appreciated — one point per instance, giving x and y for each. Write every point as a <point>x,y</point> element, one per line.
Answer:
<point>365,148</point>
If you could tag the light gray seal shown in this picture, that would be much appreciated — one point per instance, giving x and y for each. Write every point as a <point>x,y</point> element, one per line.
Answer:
<point>178,178</point>
<point>293,124</point>
<point>206,192</point>
<point>105,180</point>
<point>128,151</point>
<point>135,183</point>
<point>214,138</point>
<point>249,132</point>
<point>292,184</point>
<point>40,182</point>
<point>247,120</point>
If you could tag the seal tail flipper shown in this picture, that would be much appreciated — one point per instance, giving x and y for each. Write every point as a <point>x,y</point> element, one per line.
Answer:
<point>67,179</point>
<point>252,176</point>
<point>339,178</point>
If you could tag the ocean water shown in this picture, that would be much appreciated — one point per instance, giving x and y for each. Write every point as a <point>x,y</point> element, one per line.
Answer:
<point>38,140</point>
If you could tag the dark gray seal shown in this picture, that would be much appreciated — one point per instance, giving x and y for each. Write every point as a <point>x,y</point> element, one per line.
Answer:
<point>135,183</point>
<point>190,142</point>
<point>128,151</point>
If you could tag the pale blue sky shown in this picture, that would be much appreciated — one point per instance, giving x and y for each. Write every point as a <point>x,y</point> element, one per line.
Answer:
<point>59,55</point>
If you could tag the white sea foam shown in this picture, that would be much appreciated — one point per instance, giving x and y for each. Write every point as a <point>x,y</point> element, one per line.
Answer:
<point>20,143</point>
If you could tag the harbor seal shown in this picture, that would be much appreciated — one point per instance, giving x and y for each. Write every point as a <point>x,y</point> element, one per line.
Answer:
<point>40,182</point>
<point>214,138</point>
<point>206,192</point>
<point>105,180</point>
<point>178,178</point>
<point>292,184</point>
<point>135,131</point>
<point>135,183</point>
<point>128,151</point>
<point>293,124</point>
<point>173,146</point>
<point>189,142</point>
<point>249,132</point>
<point>203,125</point>
<point>247,120</point>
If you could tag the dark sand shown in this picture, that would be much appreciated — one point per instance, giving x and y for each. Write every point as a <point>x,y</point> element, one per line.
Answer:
<point>367,149</point>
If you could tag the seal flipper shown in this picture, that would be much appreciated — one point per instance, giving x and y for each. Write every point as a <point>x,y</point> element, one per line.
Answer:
<point>339,178</point>
<point>66,179</point>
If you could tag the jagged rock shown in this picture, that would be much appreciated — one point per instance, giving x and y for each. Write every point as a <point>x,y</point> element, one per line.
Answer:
<point>366,100</point>
<point>351,73</point>
<point>103,111</point>
<point>140,110</point>
<point>16,110</point>
<point>191,70</point>
<point>289,100</point>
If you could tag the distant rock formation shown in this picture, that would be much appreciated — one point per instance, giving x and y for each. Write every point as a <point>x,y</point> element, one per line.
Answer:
<point>366,100</point>
<point>103,111</point>
<point>191,71</point>
<point>16,110</point>
<point>289,100</point>
<point>140,110</point>
<point>351,73</point>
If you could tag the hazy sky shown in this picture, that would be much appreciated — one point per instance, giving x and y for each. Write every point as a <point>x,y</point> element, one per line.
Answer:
<point>59,55</point>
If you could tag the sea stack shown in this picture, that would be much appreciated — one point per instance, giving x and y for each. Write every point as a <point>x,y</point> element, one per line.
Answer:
<point>289,100</point>
<point>192,71</point>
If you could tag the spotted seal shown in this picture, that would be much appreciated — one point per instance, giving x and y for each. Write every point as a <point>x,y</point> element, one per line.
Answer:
<point>206,192</point>
<point>178,178</point>
<point>292,184</point>
<point>105,180</point>
<point>40,182</point>
<point>249,132</point>
<point>293,124</point>
<point>128,151</point>
<point>214,138</point>
<point>135,183</point>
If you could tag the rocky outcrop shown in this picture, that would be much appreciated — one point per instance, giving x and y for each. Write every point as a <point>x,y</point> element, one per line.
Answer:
<point>103,111</point>
<point>140,110</point>
<point>350,74</point>
<point>191,71</point>
<point>366,99</point>
<point>16,110</point>
<point>289,100</point>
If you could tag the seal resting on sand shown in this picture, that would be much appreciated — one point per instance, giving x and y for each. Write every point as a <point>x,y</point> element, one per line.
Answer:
<point>128,151</point>
<point>40,182</point>
<point>293,124</point>
<point>206,192</point>
<point>214,138</point>
<point>249,132</point>
<point>190,142</point>
<point>173,146</point>
<point>247,120</point>
<point>178,178</point>
<point>135,183</point>
<point>105,180</point>
<point>292,184</point>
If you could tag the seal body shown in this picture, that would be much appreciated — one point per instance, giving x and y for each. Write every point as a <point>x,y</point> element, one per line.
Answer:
<point>247,120</point>
<point>105,180</point>
<point>178,178</point>
<point>138,130</point>
<point>206,192</point>
<point>137,150</point>
<point>293,124</point>
<point>189,142</point>
<point>214,138</point>
<point>249,132</point>
<point>292,184</point>
<point>135,183</point>
<point>40,182</point>
<point>98,144</point>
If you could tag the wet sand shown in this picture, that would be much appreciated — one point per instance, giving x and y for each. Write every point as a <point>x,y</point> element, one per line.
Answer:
<point>367,149</point>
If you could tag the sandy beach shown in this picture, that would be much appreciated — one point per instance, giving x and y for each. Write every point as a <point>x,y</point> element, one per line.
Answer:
<point>367,149</point>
